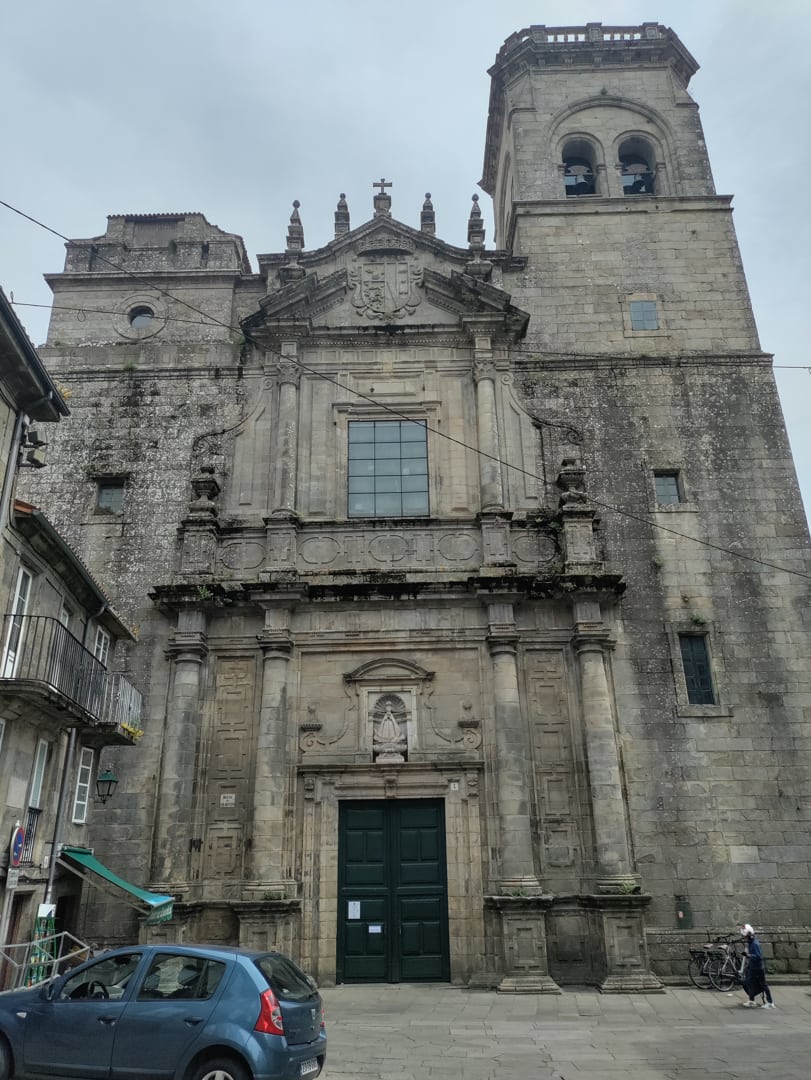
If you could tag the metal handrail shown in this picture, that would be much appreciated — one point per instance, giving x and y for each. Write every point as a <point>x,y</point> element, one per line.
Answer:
<point>40,649</point>
<point>32,962</point>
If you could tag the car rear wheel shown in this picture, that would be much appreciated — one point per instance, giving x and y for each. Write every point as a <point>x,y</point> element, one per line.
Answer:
<point>219,1069</point>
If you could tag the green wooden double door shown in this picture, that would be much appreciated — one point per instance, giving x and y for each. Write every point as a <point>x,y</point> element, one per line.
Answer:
<point>392,892</point>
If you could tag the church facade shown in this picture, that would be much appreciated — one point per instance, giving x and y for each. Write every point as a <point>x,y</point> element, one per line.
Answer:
<point>470,584</point>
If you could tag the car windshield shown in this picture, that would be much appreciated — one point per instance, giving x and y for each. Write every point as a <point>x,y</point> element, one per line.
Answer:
<point>288,982</point>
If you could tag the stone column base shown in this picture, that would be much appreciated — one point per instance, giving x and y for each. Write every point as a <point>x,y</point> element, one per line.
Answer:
<point>618,931</point>
<point>523,944</point>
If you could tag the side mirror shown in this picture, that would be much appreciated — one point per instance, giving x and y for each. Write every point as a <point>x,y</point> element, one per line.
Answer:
<point>48,992</point>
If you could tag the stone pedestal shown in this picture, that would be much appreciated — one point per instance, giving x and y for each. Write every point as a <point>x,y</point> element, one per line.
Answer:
<point>622,965</point>
<point>523,934</point>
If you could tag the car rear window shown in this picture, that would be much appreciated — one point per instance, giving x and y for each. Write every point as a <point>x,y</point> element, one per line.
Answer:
<point>288,982</point>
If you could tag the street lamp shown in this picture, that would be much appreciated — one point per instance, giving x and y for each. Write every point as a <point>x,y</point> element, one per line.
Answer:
<point>106,783</point>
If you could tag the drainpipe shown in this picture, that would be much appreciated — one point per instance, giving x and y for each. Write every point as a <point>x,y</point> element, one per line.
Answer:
<point>60,813</point>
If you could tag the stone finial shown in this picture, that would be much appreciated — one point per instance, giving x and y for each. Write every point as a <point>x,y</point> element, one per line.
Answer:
<point>427,216</point>
<point>295,230</point>
<point>475,227</point>
<point>341,216</point>
<point>571,480</point>
<point>382,200</point>
<point>206,489</point>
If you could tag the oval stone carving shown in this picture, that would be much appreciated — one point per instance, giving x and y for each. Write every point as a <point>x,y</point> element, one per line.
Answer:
<point>457,547</point>
<point>534,548</point>
<point>242,556</point>
<point>388,548</point>
<point>320,550</point>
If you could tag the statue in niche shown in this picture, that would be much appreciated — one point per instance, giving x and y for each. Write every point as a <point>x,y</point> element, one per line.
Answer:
<point>388,737</point>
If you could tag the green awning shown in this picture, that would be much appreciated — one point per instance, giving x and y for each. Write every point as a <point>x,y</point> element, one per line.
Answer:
<point>156,906</point>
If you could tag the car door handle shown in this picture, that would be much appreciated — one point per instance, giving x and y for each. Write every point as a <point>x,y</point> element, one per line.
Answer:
<point>108,1020</point>
<point>192,1020</point>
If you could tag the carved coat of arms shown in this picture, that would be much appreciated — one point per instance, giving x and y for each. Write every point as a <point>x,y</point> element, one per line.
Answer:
<point>386,288</point>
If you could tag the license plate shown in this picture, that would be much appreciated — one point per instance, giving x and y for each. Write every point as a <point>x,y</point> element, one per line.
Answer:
<point>309,1067</point>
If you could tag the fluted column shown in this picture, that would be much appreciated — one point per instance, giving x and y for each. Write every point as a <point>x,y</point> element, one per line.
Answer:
<point>187,650</point>
<point>512,780</point>
<point>612,850</point>
<point>272,757</point>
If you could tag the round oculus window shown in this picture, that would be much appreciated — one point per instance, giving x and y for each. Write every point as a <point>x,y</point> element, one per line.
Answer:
<point>141,317</point>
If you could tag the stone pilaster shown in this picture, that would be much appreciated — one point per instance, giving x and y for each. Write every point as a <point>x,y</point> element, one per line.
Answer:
<point>174,841</point>
<point>484,374</point>
<point>286,426</point>
<point>620,950</point>
<point>522,926</point>
<point>612,851</point>
<point>272,753</point>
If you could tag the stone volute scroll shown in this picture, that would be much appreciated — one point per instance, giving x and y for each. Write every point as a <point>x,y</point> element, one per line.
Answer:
<point>389,741</point>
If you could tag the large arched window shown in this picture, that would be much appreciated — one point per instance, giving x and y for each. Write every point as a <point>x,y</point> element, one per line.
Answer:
<point>636,168</point>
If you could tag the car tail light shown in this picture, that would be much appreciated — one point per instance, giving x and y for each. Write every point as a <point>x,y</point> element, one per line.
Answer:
<point>323,1018</point>
<point>270,1015</point>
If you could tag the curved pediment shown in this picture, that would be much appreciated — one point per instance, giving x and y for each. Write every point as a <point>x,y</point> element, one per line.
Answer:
<point>385,668</point>
<point>382,275</point>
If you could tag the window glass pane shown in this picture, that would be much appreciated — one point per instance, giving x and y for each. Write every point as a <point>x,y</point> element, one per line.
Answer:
<point>388,505</point>
<point>110,496</point>
<point>387,432</point>
<point>388,483</point>
<point>416,468</point>
<point>697,674</point>
<point>667,487</point>
<point>82,796</point>
<point>361,504</point>
<point>413,432</point>
<point>387,450</point>
<point>361,451</point>
<point>361,431</point>
<point>362,468</point>
<point>388,467</point>
<point>416,503</point>
<point>644,315</point>
<point>413,450</point>
<point>359,484</point>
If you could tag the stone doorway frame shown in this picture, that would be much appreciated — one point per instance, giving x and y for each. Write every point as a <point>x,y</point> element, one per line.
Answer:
<point>321,788</point>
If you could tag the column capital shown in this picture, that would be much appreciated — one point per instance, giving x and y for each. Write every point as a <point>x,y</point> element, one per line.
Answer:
<point>187,646</point>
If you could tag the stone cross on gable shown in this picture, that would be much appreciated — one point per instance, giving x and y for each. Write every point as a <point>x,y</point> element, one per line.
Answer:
<point>382,199</point>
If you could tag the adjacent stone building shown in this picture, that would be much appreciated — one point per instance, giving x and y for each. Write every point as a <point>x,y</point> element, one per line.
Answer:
<point>471,583</point>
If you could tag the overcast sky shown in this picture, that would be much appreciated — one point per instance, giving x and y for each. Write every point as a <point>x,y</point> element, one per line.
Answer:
<point>235,109</point>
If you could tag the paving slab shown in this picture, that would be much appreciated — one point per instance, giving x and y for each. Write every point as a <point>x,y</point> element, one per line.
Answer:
<point>428,1032</point>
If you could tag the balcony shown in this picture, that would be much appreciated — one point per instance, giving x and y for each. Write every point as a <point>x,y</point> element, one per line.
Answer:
<point>43,665</point>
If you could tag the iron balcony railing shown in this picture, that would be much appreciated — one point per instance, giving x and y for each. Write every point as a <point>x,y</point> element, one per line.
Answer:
<point>39,649</point>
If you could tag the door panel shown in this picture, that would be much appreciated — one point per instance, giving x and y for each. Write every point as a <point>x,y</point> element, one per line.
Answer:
<point>393,921</point>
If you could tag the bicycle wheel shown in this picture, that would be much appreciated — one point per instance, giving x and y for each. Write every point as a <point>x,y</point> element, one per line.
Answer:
<point>721,977</point>
<point>697,970</point>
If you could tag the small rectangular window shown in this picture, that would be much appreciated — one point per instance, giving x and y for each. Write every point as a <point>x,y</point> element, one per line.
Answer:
<point>38,775</point>
<point>644,315</point>
<point>668,489</point>
<point>695,657</point>
<point>388,468</point>
<point>110,496</point>
<point>83,779</point>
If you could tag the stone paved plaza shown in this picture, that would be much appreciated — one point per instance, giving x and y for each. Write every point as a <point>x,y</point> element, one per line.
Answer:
<point>410,1032</point>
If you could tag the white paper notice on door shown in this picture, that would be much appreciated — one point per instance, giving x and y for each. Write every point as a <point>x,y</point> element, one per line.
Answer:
<point>354,909</point>
<point>374,928</point>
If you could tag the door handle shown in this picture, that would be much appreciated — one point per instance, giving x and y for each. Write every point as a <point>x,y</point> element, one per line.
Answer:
<point>192,1021</point>
<point>107,1020</point>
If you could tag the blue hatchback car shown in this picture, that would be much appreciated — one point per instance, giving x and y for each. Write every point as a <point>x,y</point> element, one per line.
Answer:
<point>167,1012</point>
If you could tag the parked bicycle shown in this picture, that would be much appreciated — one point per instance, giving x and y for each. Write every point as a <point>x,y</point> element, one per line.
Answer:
<point>717,965</point>
<point>732,970</point>
<point>703,959</point>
